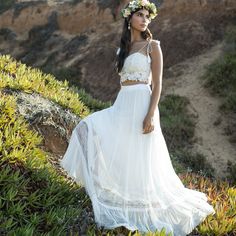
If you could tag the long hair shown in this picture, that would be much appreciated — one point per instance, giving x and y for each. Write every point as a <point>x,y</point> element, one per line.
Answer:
<point>125,41</point>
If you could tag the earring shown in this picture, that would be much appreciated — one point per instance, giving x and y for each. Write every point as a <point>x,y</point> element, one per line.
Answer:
<point>129,26</point>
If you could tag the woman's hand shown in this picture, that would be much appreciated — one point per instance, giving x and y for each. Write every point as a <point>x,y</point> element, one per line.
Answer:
<point>148,124</point>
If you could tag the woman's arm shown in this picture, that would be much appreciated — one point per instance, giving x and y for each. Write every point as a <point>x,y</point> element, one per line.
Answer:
<point>157,70</point>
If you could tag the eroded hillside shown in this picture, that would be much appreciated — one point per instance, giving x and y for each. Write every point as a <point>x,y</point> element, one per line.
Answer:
<point>77,40</point>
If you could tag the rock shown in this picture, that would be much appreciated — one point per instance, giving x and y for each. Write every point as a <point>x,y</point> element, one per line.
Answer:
<point>53,122</point>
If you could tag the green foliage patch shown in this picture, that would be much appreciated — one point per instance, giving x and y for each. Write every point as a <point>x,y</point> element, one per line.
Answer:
<point>6,4</point>
<point>220,76</point>
<point>34,197</point>
<point>18,76</point>
<point>178,129</point>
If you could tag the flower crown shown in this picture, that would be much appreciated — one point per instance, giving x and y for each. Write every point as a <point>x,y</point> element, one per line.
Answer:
<point>135,4</point>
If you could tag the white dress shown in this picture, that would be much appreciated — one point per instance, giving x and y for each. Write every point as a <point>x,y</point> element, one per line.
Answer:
<point>128,175</point>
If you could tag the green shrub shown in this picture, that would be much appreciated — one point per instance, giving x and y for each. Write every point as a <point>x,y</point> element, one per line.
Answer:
<point>178,128</point>
<point>6,4</point>
<point>89,101</point>
<point>177,125</point>
<point>195,162</point>
<point>231,172</point>
<point>220,76</point>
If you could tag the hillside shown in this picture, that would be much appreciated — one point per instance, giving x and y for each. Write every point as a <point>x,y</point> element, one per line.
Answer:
<point>31,180</point>
<point>61,39</point>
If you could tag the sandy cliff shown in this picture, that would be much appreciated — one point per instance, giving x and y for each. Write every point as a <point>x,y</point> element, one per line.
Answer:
<point>78,39</point>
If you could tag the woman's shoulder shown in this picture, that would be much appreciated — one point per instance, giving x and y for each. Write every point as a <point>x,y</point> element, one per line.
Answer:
<point>153,45</point>
<point>154,42</point>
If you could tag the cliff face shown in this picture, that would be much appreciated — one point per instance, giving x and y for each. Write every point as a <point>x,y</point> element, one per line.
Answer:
<point>77,40</point>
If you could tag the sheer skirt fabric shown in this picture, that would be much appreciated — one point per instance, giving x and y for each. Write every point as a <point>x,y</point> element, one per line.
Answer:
<point>129,175</point>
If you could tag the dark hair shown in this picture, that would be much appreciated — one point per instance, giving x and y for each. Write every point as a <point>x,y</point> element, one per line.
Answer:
<point>125,41</point>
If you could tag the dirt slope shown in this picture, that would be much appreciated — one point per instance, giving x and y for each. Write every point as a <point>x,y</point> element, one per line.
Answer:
<point>211,139</point>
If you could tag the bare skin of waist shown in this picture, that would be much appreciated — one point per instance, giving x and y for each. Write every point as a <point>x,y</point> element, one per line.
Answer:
<point>130,82</point>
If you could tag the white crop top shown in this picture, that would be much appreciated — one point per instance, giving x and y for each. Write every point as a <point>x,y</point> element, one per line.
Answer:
<point>137,66</point>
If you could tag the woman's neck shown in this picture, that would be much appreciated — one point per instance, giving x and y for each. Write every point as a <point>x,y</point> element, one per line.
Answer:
<point>136,37</point>
<point>138,41</point>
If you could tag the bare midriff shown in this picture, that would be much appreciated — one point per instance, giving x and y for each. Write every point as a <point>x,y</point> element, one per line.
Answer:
<point>130,82</point>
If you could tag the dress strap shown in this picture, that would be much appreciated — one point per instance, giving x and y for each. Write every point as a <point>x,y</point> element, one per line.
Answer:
<point>149,48</point>
<point>142,47</point>
<point>156,43</point>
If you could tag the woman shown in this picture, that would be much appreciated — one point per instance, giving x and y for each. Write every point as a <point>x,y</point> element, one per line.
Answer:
<point>119,153</point>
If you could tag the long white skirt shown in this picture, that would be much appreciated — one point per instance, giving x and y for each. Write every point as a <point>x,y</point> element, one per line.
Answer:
<point>128,175</point>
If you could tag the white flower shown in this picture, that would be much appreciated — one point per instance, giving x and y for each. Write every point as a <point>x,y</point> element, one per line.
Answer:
<point>144,2</point>
<point>126,12</point>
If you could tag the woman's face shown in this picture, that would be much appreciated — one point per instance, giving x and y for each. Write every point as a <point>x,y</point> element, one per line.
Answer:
<point>140,20</point>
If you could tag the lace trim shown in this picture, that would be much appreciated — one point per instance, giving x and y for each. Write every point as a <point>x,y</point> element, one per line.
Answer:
<point>136,76</point>
<point>110,198</point>
<point>114,199</point>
